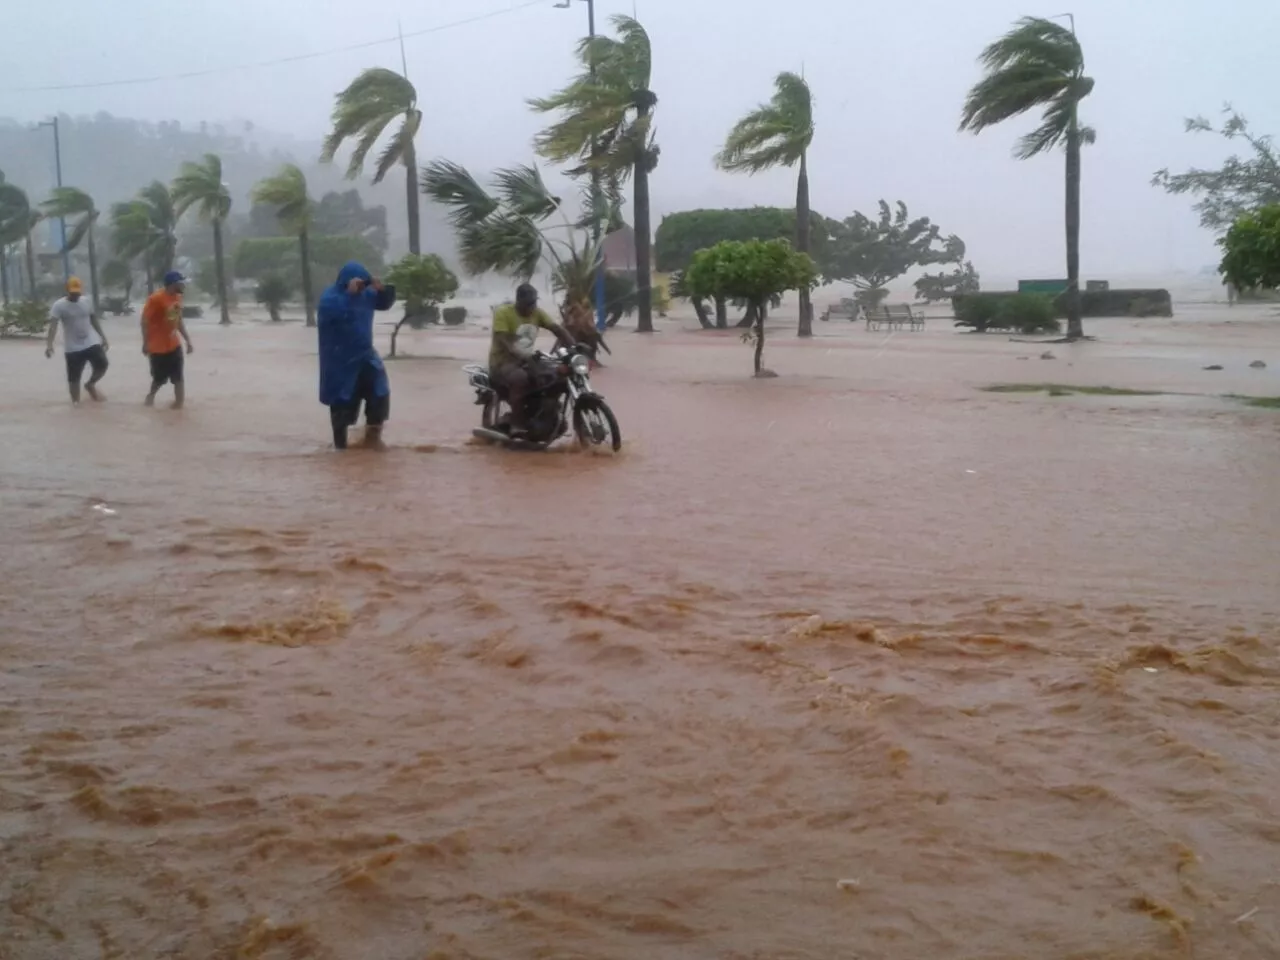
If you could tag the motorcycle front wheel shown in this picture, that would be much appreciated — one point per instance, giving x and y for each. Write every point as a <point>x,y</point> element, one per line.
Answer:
<point>595,424</point>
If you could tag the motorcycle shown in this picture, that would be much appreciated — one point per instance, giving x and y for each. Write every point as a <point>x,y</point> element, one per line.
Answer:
<point>564,397</point>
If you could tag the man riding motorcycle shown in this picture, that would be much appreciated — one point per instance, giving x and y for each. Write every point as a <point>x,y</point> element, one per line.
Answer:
<point>508,367</point>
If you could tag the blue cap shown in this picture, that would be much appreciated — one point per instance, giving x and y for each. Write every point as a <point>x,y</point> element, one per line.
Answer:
<point>172,277</point>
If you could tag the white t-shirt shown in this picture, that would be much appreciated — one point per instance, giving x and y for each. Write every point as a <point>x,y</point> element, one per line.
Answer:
<point>77,333</point>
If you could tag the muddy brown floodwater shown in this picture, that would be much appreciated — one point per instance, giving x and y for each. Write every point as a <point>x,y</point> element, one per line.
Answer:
<point>861,662</point>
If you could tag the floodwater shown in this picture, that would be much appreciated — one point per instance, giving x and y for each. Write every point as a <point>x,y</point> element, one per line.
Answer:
<point>860,662</point>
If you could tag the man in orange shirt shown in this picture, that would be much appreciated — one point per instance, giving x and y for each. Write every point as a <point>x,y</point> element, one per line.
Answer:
<point>161,326</point>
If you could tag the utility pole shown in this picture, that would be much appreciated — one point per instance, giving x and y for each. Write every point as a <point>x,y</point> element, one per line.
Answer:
<point>62,221</point>
<point>595,176</point>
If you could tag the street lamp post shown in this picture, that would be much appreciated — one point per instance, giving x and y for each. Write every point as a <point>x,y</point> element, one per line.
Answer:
<point>62,221</point>
<point>595,175</point>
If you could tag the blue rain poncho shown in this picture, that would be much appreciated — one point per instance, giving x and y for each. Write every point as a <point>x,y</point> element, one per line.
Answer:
<point>345,323</point>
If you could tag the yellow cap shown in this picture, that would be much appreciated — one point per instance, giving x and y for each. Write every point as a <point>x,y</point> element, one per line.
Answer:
<point>74,285</point>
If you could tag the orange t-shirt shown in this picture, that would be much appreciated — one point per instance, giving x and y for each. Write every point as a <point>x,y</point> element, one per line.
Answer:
<point>161,316</point>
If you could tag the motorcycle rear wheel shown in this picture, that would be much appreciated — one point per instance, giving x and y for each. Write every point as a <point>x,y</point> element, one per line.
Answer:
<point>491,415</point>
<point>595,425</point>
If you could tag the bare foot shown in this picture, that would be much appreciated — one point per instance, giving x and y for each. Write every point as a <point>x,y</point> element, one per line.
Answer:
<point>96,395</point>
<point>373,439</point>
<point>176,405</point>
<point>150,401</point>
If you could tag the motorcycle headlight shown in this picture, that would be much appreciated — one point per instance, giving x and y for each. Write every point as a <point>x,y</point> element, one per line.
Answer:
<point>580,365</point>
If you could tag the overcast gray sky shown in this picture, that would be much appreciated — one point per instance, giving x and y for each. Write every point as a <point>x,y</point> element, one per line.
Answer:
<point>888,79</point>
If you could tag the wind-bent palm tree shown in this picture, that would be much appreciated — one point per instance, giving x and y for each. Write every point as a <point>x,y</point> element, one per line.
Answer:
<point>287,192</point>
<point>361,113</point>
<point>146,229</point>
<point>509,232</point>
<point>200,185</point>
<point>606,124</point>
<point>779,134</point>
<point>1040,64</point>
<point>72,202</point>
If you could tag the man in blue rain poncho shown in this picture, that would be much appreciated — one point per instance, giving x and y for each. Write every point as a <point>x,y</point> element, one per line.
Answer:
<point>351,372</point>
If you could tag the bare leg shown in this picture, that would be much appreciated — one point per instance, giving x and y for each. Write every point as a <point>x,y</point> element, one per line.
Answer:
<point>74,387</point>
<point>179,396</point>
<point>151,397</point>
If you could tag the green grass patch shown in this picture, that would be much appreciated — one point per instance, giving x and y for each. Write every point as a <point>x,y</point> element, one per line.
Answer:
<point>1269,403</point>
<point>1066,390</point>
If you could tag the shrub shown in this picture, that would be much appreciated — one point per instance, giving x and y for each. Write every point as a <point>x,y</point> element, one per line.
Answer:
<point>425,315</point>
<point>1027,313</point>
<point>455,316</point>
<point>272,291</point>
<point>26,318</point>
<point>191,311</point>
<point>1023,312</point>
<point>1125,303</point>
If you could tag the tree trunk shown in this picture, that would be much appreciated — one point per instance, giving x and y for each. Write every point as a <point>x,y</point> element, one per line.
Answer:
<point>31,268</point>
<point>93,272</point>
<point>748,318</point>
<point>4,275</point>
<point>412,198</point>
<point>221,269</point>
<point>273,311</point>
<point>722,314</point>
<point>802,243</point>
<point>760,315</point>
<point>151,283</point>
<point>396,332</point>
<point>1075,328</point>
<point>644,236</point>
<point>700,309</point>
<point>308,295</point>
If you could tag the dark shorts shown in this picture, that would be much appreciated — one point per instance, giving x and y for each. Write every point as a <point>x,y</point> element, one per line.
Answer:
<point>94,356</point>
<point>166,367</point>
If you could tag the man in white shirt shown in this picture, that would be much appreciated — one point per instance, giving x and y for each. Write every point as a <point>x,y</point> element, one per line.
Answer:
<point>82,340</point>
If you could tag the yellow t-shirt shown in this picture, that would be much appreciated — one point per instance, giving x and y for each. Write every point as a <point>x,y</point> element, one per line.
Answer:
<point>506,321</point>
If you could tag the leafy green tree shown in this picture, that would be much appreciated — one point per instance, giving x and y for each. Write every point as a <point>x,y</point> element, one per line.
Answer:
<point>933,287</point>
<point>1040,64</point>
<point>779,134</point>
<point>200,185</point>
<point>870,254</point>
<point>606,124</point>
<point>1238,186</point>
<point>287,192</point>
<point>1251,250</point>
<point>118,275</point>
<point>208,280</point>
<point>145,229</point>
<point>361,113</point>
<point>272,292</point>
<point>71,202</point>
<point>757,271</point>
<point>343,214</point>
<point>424,280</point>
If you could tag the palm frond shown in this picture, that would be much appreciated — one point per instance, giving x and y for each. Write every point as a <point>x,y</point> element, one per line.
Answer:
<point>998,97</point>
<point>15,210</point>
<point>400,148</point>
<point>200,185</point>
<point>1088,136</point>
<point>362,112</point>
<point>1034,39</point>
<point>504,243</point>
<point>523,191</point>
<point>81,230</point>
<point>451,185</point>
<point>287,192</point>
<point>68,202</point>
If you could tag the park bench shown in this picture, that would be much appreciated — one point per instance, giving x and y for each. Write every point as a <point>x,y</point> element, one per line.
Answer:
<point>895,317</point>
<point>846,309</point>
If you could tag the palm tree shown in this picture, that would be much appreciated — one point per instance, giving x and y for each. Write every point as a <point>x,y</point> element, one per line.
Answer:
<point>779,134</point>
<point>71,202</point>
<point>507,232</point>
<point>146,229</point>
<point>287,192</point>
<point>200,185</point>
<point>606,125</point>
<point>361,113</point>
<point>1040,64</point>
